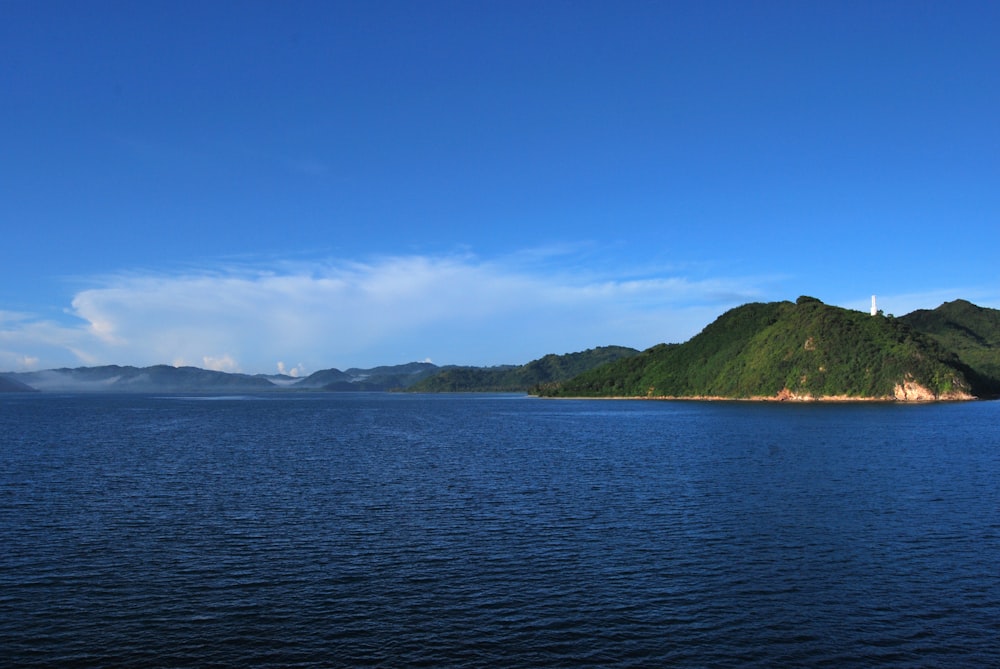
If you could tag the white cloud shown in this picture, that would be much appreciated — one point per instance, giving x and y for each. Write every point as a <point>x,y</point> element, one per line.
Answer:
<point>294,372</point>
<point>455,309</point>
<point>222,363</point>
<point>28,343</point>
<point>16,362</point>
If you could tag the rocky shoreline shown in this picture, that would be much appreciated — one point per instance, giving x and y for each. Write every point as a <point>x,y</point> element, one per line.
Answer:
<point>909,392</point>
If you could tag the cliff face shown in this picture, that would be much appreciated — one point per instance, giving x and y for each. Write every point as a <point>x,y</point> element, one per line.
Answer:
<point>907,391</point>
<point>911,391</point>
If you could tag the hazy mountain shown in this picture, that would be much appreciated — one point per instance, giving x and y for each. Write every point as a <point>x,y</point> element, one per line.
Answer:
<point>8,385</point>
<point>280,380</point>
<point>164,378</point>
<point>158,378</point>
<point>323,377</point>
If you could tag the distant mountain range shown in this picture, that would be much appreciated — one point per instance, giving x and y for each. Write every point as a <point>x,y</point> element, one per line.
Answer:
<point>807,350</point>
<point>803,350</point>
<point>158,378</point>
<point>410,376</point>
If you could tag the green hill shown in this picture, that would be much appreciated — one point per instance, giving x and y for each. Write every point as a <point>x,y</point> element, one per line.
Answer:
<point>785,350</point>
<point>519,378</point>
<point>971,332</point>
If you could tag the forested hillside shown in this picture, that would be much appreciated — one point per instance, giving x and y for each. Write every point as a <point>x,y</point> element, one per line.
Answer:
<point>971,332</point>
<point>547,369</point>
<point>801,350</point>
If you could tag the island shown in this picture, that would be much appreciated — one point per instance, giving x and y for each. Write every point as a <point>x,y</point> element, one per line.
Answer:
<point>810,351</point>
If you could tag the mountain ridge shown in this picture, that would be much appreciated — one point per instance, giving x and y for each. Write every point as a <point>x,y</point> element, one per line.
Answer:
<point>515,378</point>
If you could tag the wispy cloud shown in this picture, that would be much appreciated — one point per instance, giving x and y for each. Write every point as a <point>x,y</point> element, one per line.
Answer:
<point>453,309</point>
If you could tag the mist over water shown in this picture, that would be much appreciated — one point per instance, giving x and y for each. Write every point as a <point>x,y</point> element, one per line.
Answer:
<point>491,530</point>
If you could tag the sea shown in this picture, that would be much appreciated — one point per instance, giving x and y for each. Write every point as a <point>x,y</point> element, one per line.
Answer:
<point>407,530</point>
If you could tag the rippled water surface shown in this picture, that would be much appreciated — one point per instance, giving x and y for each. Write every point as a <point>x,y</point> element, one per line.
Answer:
<point>406,530</point>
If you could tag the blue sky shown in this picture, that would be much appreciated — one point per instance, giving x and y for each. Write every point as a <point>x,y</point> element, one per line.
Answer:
<point>250,186</point>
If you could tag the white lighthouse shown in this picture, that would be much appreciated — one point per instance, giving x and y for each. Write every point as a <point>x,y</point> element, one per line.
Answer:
<point>874,308</point>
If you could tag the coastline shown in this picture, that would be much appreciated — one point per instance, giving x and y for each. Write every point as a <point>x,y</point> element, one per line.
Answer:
<point>901,396</point>
<point>831,399</point>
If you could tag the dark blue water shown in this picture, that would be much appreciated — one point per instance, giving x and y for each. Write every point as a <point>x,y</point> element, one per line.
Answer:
<point>401,530</point>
